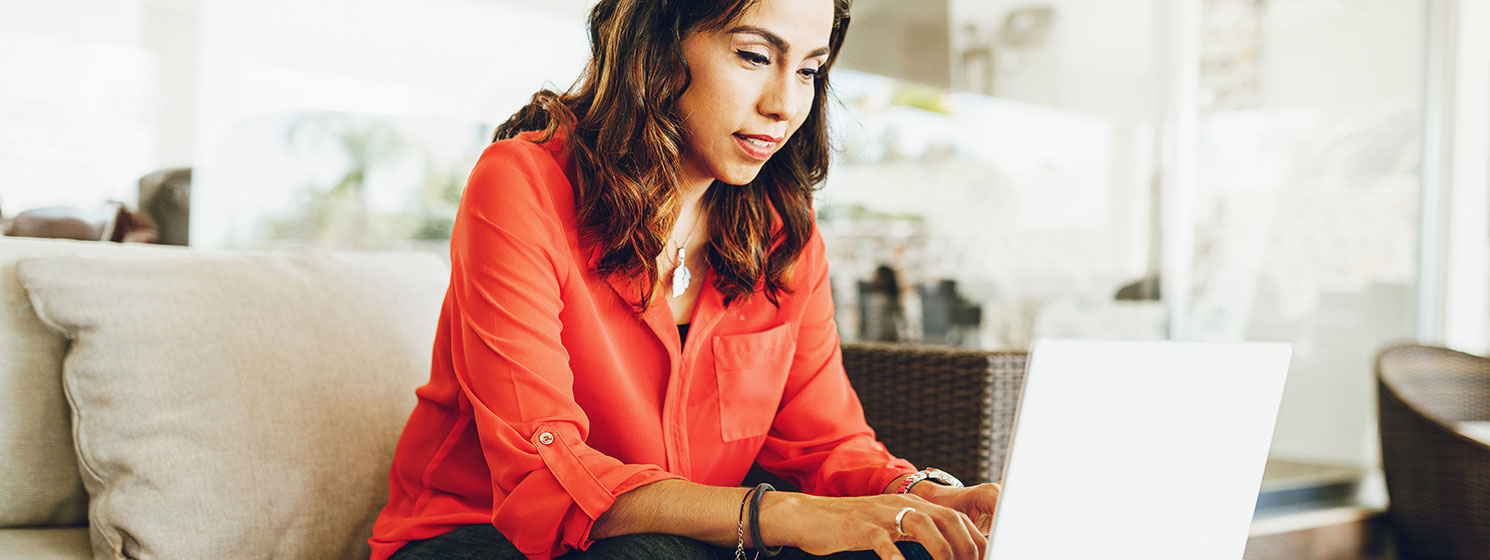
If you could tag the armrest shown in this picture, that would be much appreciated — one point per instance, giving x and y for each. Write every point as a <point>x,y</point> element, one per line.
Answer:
<point>950,408</point>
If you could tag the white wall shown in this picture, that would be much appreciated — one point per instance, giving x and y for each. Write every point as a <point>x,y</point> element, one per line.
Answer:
<point>104,91</point>
<point>1326,66</point>
<point>78,102</point>
<point>1356,69</point>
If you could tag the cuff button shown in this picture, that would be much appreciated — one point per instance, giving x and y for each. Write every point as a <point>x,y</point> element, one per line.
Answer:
<point>546,438</point>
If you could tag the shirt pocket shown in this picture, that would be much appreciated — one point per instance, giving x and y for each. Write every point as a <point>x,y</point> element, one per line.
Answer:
<point>751,370</point>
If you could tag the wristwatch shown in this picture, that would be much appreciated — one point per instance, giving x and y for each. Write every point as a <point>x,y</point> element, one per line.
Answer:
<point>929,473</point>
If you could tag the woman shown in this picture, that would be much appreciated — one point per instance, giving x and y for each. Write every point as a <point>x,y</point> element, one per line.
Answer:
<point>639,309</point>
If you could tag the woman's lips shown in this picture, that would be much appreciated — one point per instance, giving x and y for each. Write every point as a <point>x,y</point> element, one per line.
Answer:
<point>756,146</point>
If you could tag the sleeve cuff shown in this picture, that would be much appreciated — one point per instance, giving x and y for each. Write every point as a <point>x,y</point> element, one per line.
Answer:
<point>592,480</point>
<point>881,480</point>
<point>577,525</point>
<point>582,484</point>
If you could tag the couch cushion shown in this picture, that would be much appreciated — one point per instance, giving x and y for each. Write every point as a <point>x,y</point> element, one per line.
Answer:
<point>50,543</point>
<point>39,482</point>
<point>238,405</point>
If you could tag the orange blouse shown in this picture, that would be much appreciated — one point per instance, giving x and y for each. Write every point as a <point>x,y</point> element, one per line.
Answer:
<point>548,398</point>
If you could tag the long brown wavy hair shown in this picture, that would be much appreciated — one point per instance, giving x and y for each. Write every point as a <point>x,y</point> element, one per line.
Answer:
<point>626,141</point>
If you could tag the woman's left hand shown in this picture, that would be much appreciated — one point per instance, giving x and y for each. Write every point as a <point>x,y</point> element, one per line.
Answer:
<point>977,502</point>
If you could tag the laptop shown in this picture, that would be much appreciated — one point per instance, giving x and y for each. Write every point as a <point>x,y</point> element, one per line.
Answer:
<point>1138,450</point>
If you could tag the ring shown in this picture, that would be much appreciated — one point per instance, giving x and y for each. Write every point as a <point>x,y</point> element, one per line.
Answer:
<point>901,516</point>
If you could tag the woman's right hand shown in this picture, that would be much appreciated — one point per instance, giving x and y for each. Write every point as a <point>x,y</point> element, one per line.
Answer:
<point>822,526</point>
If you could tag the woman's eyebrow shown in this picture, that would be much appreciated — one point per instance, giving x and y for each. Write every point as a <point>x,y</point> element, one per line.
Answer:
<point>775,40</point>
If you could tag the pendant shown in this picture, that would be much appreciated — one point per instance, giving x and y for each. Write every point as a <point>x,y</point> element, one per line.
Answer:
<point>681,275</point>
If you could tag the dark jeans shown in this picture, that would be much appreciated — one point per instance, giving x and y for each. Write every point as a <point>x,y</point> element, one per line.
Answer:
<point>484,542</point>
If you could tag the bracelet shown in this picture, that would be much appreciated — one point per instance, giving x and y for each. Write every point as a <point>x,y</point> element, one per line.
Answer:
<point>755,520</point>
<point>910,480</point>
<point>740,529</point>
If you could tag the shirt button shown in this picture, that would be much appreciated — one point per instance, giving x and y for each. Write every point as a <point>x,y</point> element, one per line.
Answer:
<point>546,438</point>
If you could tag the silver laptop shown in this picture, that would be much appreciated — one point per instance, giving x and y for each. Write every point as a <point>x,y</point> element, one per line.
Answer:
<point>1138,450</point>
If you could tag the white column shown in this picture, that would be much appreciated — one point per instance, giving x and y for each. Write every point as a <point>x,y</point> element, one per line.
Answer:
<point>170,32</point>
<point>1180,24</point>
<point>1466,275</point>
<point>1438,127</point>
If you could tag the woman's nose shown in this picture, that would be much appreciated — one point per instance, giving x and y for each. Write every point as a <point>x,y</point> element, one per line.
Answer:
<point>779,99</point>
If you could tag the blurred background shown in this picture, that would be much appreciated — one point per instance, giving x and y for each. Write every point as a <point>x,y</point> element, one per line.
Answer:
<point>1306,171</point>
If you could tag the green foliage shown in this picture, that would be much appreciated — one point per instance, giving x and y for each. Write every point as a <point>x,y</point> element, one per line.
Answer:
<point>338,215</point>
<point>921,97</point>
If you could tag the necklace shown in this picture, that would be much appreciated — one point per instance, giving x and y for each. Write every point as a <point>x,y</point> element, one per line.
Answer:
<point>681,275</point>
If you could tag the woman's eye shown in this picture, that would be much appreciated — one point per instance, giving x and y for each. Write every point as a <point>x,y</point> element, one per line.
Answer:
<point>810,73</point>
<point>753,58</point>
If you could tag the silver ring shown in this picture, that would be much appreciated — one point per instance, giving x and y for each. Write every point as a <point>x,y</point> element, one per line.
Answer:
<point>901,516</point>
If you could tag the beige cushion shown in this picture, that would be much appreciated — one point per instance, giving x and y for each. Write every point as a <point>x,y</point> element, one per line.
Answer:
<point>39,482</point>
<point>57,543</point>
<point>238,405</point>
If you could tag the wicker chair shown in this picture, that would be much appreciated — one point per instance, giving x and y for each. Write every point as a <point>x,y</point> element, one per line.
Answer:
<point>948,408</point>
<point>1438,479</point>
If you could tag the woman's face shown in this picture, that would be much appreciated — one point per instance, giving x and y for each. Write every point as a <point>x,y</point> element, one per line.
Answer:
<point>751,87</point>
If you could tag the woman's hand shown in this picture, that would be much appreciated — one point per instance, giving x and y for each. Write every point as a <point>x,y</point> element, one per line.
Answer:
<point>822,526</point>
<point>976,502</point>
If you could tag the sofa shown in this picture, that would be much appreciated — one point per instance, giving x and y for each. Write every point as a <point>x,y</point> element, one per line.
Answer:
<point>165,402</point>
<point>170,403</point>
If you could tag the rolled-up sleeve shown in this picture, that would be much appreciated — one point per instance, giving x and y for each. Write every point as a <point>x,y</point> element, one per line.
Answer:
<point>513,368</point>
<point>819,439</point>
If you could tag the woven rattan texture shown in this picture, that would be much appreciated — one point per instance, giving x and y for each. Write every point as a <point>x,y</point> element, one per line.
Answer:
<point>942,407</point>
<point>1438,480</point>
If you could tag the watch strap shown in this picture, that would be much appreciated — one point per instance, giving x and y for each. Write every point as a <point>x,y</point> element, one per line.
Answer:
<point>929,473</point>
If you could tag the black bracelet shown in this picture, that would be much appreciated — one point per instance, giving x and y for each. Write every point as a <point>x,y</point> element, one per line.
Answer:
<point>755,519</point>
<point>740,528</point>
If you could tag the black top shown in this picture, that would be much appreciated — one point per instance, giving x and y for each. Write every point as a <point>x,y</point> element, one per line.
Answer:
<point>683,332</point>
